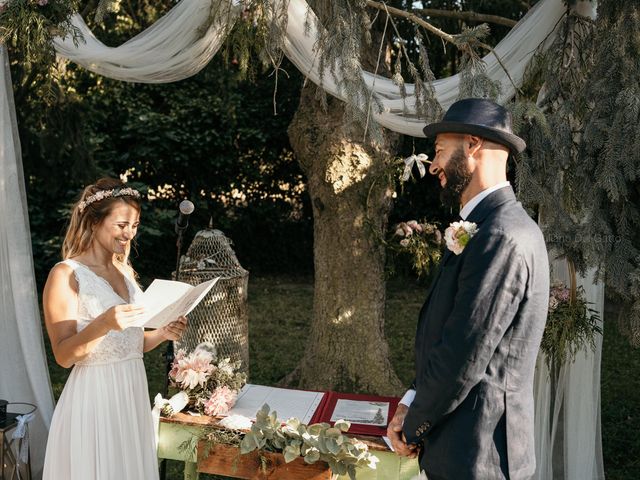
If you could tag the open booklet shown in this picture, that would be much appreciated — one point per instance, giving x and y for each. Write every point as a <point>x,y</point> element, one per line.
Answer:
<point>368,414</point>
<point>286,402</point>
<point>166,300</point>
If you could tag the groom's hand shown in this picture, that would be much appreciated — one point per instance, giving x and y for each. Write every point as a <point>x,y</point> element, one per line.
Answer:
<point>394,433</point>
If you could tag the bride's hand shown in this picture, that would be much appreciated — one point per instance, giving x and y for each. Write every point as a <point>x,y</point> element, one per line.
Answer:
<point>120,317</point>
<point>174,330</point>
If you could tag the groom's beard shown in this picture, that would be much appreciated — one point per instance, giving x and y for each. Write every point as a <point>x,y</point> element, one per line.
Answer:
<point>458,178</point>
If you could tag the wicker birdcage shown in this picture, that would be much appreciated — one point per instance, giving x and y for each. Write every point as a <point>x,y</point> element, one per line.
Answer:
<point>222,317</point>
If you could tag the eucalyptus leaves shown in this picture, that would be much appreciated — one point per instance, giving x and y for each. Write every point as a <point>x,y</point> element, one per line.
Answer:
<point>317,442</point>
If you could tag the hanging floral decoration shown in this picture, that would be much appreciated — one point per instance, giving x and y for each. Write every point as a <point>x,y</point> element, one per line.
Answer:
<point>420,241</point>
<point>571,325</point>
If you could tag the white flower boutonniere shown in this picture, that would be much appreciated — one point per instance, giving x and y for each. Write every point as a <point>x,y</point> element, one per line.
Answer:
<point>458,234</point>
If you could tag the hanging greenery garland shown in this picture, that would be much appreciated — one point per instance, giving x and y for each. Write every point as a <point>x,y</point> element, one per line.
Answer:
<point>571,325</point>
<point>31,25</point>
<point>581,169</point>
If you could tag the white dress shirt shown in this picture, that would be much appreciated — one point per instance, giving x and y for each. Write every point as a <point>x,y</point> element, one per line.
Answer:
<point>408,397</point>
<point>473,203</point>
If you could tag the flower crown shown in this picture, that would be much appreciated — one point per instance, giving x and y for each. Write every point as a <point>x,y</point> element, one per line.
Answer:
<point>102,194</point>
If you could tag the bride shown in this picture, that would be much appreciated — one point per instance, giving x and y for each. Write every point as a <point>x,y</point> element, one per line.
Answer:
<point>102,427</point>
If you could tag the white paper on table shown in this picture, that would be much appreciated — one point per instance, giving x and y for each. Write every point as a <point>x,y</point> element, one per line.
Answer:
<point>388,442</point>
<point>361,412</point>
<point>287,403</point>
<point>166,300</point>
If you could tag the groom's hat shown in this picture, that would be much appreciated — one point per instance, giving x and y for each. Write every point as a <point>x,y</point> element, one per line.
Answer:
<point>480,117</point>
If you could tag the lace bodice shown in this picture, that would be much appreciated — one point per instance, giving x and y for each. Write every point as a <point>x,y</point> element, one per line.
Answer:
<point>95,295</point>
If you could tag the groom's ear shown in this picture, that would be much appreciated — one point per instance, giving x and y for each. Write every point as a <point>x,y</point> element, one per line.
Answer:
<point>473,144</point>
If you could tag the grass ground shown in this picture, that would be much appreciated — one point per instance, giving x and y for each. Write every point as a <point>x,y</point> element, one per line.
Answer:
<point>279,310</point>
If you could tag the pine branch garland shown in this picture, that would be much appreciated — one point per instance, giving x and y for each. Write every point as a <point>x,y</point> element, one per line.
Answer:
<point>581,171</point>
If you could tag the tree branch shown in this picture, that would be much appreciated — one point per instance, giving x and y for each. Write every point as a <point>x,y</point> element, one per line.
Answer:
<point>467,16</point>
<point>412,17</point>
<point>91,5</point>
<point>436,31</point>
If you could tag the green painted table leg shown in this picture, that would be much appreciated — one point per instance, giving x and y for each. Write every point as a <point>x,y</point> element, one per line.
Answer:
<point>190,471</point>
<point>389,467</point>
<point>178,442</point>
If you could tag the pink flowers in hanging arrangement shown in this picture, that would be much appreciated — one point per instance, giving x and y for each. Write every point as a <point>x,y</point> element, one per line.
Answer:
<point>558,294</point>
<point>571,325</point>
<point>420,241</point>
<point>406,229</point>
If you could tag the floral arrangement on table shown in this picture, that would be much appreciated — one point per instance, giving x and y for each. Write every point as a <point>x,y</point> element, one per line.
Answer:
<point>571,325</point>
<point>211,384</point>
<point>212,387</point>
<point>422,242</point>
<point>33,24</point>
<point>293,439</point>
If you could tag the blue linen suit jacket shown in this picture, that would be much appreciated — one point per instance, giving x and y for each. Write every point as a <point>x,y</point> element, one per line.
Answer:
<point>477,340</point>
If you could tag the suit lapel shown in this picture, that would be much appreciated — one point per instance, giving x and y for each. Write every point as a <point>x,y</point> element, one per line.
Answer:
<point>490,203</point>
<point>477,216</point>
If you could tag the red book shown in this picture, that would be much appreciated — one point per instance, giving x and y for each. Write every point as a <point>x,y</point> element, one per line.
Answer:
<point>374,412</point>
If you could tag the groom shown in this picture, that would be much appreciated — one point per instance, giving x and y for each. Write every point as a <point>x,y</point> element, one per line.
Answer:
<point>469,413</point>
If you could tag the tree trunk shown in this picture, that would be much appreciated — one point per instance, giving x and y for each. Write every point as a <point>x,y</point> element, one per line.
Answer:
<point>351,194</point>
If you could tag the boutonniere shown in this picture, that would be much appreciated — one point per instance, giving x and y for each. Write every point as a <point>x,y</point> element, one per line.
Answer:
<point>458,234</point>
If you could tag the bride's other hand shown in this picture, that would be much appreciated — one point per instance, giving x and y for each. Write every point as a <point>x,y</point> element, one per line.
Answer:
<point>174,330</point>
<point>120,317</point>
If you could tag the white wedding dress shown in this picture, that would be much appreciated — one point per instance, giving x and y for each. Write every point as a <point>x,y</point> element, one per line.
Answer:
<point>102,427</point>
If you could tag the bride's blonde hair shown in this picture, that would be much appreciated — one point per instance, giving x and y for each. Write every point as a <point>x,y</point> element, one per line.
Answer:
<point>86,215</point>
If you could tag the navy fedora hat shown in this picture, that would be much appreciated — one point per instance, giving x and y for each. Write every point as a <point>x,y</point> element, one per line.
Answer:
<point>480,117</point>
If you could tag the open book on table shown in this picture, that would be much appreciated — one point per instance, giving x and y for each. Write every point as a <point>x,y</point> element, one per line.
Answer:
<point>166,300</point>
<point>288,403</point>
<point>368,414</point>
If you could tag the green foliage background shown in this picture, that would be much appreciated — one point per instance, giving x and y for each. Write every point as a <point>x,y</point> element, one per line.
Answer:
<point>205,136</point>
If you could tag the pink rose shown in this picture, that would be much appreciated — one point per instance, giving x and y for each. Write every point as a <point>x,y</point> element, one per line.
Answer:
<point>413,225</point>
<point>221,401</point>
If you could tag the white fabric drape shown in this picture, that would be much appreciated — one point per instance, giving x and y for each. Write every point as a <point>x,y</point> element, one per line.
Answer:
<point>172,49</point>
<point>176,47</point>
<point>23,367</point>
<point>568,437</point>
<point>568,434</point>
<point>515,51</point>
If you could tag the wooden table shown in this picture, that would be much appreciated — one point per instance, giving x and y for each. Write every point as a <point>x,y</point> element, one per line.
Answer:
<point>179,437</point>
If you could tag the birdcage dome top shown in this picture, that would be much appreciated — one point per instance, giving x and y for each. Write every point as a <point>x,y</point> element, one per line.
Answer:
<point>211,251</point>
